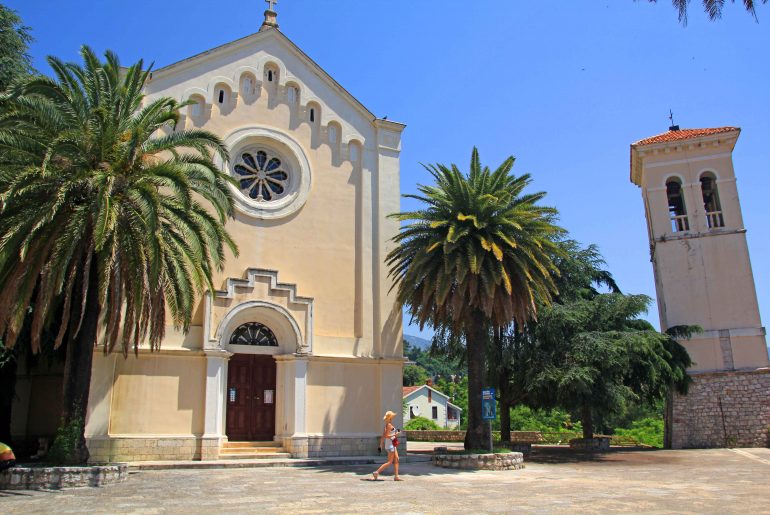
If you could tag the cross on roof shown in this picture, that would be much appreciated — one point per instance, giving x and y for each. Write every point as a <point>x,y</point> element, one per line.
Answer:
<point>271,4</point>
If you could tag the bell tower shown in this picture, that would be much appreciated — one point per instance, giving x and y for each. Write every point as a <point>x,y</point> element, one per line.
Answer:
<point>703,277</point>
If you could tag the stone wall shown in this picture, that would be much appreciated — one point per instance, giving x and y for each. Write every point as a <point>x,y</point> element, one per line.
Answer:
<point>723,409</point>
<point>332,446</point>
<point>435,436</point>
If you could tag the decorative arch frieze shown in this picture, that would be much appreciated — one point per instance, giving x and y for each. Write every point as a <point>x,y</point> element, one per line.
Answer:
<point>324,117</point>
<point>259,297</point>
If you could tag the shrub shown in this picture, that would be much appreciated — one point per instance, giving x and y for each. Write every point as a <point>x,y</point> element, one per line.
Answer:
<point>648,431</point>
<point>62,451</point>
<point>422,424</point>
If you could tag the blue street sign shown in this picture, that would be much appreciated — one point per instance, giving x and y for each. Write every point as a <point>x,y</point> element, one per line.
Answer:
<point>488,405</point>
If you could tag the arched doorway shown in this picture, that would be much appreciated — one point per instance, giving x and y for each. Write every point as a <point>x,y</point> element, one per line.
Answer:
<point>251,385</point>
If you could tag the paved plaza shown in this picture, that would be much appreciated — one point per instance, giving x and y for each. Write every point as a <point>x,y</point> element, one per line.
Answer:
<point>695,481</point>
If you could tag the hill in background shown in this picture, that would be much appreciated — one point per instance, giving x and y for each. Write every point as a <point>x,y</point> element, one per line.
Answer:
<point>416,341</point>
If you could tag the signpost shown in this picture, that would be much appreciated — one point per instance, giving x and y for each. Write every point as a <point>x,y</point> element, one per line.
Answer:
<point>488,409</point>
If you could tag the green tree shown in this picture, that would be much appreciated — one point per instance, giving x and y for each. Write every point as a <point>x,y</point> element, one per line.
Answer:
<point>414,375</point>
<point>477,255</point>
<point>712,7</point>
<point>596,353</point>
<point>514,356</point>
<point>15,38</point>
<point>15,64</point>
<point>104,217</point>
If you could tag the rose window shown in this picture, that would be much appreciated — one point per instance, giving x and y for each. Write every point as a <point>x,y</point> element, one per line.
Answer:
<point>261,176</point>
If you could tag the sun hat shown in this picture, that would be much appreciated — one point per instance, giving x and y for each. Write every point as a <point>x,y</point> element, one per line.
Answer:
<point>388,414</point>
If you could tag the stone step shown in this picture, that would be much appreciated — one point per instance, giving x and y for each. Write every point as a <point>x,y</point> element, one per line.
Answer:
<point>253,456</point>
<point>251,450</point>
<point>250,445</point>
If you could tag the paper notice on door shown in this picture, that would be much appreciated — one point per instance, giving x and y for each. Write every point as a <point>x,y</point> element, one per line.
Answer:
<point>268,396</point>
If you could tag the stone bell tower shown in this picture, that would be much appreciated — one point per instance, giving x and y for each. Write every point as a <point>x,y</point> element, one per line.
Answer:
<point>703,277</point>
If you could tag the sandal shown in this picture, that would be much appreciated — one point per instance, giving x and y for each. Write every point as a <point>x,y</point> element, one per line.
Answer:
<point>397,478</point>
<point>375,475</point>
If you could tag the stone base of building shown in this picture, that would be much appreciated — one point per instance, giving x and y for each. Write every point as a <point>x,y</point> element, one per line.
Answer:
<point>109,449</point>
<point>722,409</point>
<point>323,446</point>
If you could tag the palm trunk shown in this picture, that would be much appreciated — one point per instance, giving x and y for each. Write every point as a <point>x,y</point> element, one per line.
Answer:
<point>7,392</point>
<point>77,371</point>
<point>588,421</point>
<point>477,435</point>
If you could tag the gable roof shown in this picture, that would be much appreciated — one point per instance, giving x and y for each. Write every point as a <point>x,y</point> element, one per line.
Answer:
<point>409,389</point>
<point>683,134</point>
<point>254,38</point>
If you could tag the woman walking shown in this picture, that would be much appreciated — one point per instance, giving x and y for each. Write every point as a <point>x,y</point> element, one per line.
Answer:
<point>389,440</point>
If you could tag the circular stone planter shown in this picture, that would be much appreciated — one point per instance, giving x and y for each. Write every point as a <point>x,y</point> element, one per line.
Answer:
<point>497,461</point>
<point>54,478</point>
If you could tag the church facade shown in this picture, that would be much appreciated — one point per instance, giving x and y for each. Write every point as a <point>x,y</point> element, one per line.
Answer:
<point>703,277</point>
<point>301,348</point>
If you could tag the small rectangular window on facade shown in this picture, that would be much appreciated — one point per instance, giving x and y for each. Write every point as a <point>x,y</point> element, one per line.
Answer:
<point>434,412</point>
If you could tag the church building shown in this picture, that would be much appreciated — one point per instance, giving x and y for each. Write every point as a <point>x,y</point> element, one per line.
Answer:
<point>300,350</point>
<point>703,277</point>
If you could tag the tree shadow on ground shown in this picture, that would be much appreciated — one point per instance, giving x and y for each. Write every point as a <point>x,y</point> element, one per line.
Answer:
<point>561,454</point>
<point>14,493</point>
<point>420,468</point>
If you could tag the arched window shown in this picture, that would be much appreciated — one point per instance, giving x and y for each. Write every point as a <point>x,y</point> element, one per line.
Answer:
<point>333,132</point>
<point>221,98</point>
<point>354,149</point>
<point>312,115</point>
<point>676,208</point>
<point>711,205</point>
<point>249,85</point>
<point>253,333</point>
<point>292,95</point>
<point>196,108</point>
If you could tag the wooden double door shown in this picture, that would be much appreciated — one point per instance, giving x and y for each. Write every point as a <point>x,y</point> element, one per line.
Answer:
<point>251,397</point>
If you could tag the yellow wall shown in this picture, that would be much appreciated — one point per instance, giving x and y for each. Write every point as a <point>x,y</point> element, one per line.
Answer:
<point>158,395</point>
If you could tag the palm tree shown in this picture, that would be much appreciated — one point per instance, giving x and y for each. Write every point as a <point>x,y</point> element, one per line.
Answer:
<point>478,255</point>
<point>712,7</point>
<point>105,217</point>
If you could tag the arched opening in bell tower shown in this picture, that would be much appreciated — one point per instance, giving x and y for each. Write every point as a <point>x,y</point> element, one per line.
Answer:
<point>711,205</point>
<point>677,210</point>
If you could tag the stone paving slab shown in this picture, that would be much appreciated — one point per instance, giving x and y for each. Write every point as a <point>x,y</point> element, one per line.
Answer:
<point>554,481</point>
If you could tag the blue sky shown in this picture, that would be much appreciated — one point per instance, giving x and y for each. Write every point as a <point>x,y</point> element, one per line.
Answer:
<point>565,87</point>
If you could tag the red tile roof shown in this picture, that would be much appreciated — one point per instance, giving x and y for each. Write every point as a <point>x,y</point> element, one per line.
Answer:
<point>683,134</point>
<point>409,389</point>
